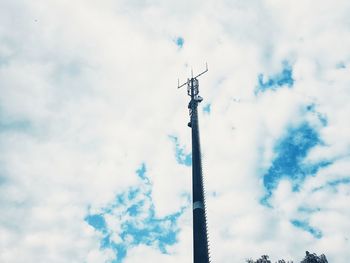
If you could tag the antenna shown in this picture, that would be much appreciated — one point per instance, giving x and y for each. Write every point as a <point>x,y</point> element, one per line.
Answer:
<point>200,232</point>
<point>186,83</point>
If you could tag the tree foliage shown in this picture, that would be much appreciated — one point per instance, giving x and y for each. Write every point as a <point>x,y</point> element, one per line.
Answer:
<point>309,258</point>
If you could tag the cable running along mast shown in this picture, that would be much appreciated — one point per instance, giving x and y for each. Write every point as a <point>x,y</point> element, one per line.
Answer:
<point>200,233</point>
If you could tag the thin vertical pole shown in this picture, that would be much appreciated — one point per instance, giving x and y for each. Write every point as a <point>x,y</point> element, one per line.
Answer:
<point>200,237</point>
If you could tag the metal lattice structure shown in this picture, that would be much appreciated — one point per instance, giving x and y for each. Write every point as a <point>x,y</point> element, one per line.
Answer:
<point>200,232</point>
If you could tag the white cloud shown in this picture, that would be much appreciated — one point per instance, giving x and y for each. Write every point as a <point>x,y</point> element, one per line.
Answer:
<point>88,93</point>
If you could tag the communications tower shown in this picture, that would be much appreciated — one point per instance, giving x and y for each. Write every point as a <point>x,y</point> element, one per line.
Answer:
<point>200,233</point>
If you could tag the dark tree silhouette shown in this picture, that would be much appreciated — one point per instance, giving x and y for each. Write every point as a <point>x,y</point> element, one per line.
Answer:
<point>313,258</point>
<point>309,258</point>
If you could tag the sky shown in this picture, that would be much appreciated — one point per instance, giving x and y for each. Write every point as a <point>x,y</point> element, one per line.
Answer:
<point>95,152</point>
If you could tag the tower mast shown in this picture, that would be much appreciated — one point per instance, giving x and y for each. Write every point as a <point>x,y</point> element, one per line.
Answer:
<point>200,233</point>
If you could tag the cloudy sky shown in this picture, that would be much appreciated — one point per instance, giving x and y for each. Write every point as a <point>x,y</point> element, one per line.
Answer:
<point>95,152</point>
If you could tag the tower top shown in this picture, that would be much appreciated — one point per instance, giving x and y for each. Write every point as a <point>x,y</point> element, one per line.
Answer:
<point>192,78</point>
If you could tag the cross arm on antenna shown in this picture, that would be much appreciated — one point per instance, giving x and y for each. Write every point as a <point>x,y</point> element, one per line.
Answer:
<point>178,84</point>
<point>200,74</point>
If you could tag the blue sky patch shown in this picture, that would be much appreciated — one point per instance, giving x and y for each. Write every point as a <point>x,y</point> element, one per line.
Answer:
<point>134,212</point>
<point>181,156</point>
<point>321,117</point>
<point>97,222</point>
<point>308,210</point>
<point>337,182</point>
<point>304,225</point>
<point>341,65</point>
<point>207,108</point>
<point>23,126</point>
<point>141,172</point>
<point>289,163</point>
<point>8,124</point>
<point>279,80</point>
<point>290,152</point>
<point>333,184</point>
<point>179,42</point>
